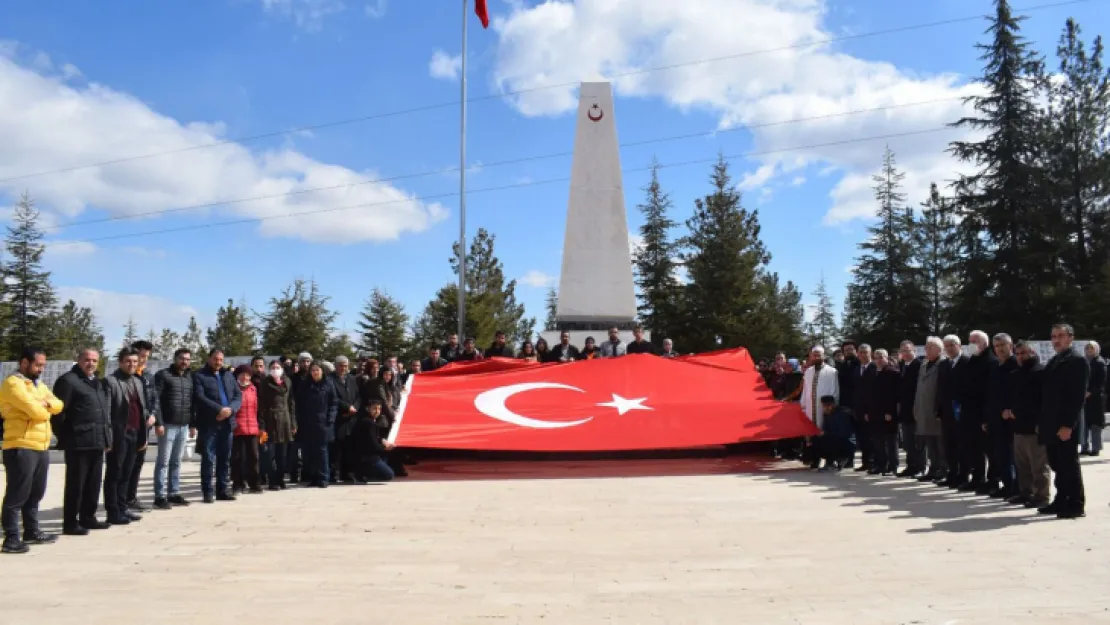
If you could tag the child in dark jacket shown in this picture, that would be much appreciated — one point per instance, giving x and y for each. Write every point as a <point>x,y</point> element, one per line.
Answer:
<point>367,448</point>
<point>835,442</point>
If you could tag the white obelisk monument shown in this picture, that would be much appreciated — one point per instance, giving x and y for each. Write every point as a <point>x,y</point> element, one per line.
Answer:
<point>595,287</point>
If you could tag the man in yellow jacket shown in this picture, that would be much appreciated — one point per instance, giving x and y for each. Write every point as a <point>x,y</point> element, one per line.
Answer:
<point>26,406</point>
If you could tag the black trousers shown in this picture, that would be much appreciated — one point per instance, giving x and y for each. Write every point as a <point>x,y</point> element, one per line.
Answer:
<point>973,450</point>
<point>863,441</point>
<point>84,475</point>
<point>885,446</point>
<point>950,433</point>
<point>277,471</point>
<point>137,466</point>
<point>244,462</point>
<point>117,475</point>
<point>1063,458</point>
<point>26,471</point>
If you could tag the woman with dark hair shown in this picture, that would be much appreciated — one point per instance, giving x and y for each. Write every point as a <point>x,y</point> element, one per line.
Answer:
<point>276,409</point>
<point>590,350</point>
<point>528,352</point>
<point>543,352</point>
<point>317,408</point>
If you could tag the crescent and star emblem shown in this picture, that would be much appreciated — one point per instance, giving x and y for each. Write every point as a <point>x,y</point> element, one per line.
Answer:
<point>595,113</point>
<point>492,404</point>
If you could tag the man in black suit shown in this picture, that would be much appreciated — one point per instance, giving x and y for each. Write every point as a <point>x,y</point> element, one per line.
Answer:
<point>863,381</point>
<point>1063,392</point>
<point>972,400</point>
<point>948,387</point>
<point>909,367</point>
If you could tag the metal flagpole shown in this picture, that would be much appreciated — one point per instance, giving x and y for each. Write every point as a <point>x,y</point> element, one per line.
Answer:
<point>462,181</point>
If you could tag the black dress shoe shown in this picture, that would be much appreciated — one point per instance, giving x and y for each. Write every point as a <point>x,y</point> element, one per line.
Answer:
<point>75,531</point>
<point>1071,513</point>
<point>225,497</point>
<point>39,538</point>
<point>93,524</point>
<point>968,487</point>
<point>908,473</point>
<point>135,518</point>
<point>137,506</point>
<point>861,468</point>
<point>1052,508</point>
<point>999,493</point>
<point>274,487</point>
<point>926,478</point>
<point>209,499</point>
<point>162,504</point>
<point>12,544</point>
<point>1018,500</point>
<point>257,490</point>
<point>119,520</point>
<point>177,500</point>
<point>985,488</point>
<point>1036,503</point>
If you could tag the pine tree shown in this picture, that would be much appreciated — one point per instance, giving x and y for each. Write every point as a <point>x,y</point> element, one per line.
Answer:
<point>490,300</point>
<point>1004,225</point>
<point>72,329</point>
<point>193,341</point>
<point>422,334</point>
<point>551,304</point>
<point>725,260</point>
<point>130,332</point>
<point>297,320</point>
<point>937,258</point>
<point>233,333</point>
<point>654,262</point>
<point>30,296</point>
<point>382,326</point>
<point>889,295</point>
<point>782,308</point>
<point>822,330</point>
<point>1076,133</point>
<point>855,322</point>
<point>168,342</point>
<point>340,345</point>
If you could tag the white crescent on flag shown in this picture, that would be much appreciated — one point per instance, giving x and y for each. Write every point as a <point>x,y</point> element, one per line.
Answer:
<point>492,404</point>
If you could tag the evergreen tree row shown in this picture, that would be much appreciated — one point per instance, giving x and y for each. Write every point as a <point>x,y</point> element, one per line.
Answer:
<point>1021,242</point>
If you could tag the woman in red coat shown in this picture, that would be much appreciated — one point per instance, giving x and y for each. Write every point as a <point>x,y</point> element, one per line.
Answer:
<point>244,447</point>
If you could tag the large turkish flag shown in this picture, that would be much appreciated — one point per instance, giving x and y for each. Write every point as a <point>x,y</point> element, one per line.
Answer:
<point>634,402</point>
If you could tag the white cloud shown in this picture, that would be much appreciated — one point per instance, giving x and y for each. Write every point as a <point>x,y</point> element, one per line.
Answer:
<point>798,181</point>
<point>376,10</point>
<point>47,124</point>
<point>306,14</point>
<point>445,66</point>
<point>537,279</point>
<point>113,309</point>
<point>562,42</point>
<point>62,247</point>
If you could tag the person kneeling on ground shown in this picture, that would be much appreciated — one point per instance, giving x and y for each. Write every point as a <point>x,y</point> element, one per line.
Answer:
<point>367,449</point>
<point>835,442</point>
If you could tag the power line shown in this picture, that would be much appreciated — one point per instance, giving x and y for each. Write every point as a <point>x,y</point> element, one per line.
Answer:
<point>514,161</point>
<point>494,96</point>
<point>250,220</point>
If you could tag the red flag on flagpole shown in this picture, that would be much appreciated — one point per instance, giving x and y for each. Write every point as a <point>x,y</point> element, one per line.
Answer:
<point>482,12</point>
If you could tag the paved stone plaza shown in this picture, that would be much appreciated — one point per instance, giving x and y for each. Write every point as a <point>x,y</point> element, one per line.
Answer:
<point>709,541</point>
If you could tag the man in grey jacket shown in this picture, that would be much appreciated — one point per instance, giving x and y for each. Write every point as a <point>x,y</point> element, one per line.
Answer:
<point>613,347</point>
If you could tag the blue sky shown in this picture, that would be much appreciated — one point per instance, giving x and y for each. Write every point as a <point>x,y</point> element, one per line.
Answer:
<point>84,83</point>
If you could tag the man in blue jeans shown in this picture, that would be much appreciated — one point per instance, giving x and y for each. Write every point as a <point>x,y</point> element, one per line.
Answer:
<point>216,399</point>
<point>173,388</point>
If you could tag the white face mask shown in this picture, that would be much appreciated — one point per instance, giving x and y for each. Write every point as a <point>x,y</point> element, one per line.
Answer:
<point>276,373</point>
<point>975,349</point>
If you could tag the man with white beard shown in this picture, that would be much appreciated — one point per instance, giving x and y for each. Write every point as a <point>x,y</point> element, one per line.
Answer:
<point>819,380</point>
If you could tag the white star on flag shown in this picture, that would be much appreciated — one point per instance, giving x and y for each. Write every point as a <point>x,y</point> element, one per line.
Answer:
<point>624,405</point>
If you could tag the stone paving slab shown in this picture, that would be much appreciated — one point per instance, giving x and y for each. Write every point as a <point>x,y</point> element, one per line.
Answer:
<point>744,542</point>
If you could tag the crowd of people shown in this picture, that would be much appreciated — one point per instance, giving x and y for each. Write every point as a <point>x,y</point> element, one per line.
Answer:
<point>257,426</point>
<point>996,422</point>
